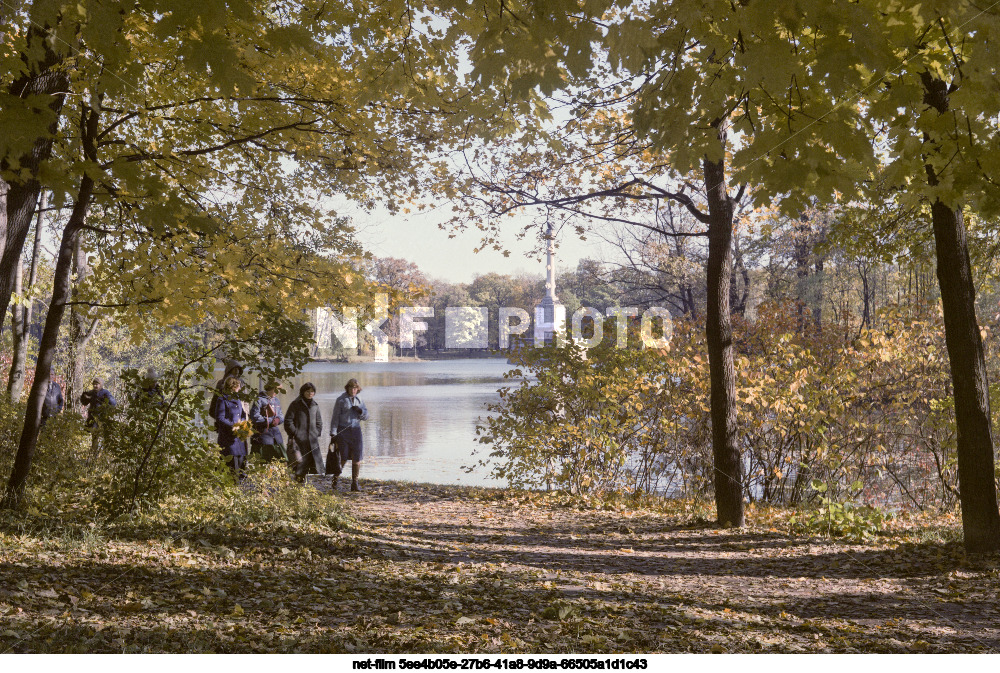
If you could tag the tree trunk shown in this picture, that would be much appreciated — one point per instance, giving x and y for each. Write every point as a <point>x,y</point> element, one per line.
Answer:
<point>81,327</point>
<point>738,300</point>
<point>4,190</point>
<point>42,80</point>
<point>21,313</point>
<point>18,329</point>
<point>728,466</point>
<point>61,286</point>
<point>690,306</point>
<point>976,480</point>
<point>866,295</point>
<point>802,231</point>
<point>36,255</point>
<point>820,278</point>
<point>978,496</point>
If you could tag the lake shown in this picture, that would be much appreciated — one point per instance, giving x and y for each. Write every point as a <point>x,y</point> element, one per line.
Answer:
<point>422,415</point>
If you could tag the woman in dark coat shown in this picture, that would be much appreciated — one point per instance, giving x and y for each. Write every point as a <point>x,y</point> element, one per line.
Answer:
<point>304,427</point>
<point>228,413</point>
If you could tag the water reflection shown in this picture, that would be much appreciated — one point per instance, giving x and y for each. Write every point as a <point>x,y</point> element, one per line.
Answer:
<point>422,415</point>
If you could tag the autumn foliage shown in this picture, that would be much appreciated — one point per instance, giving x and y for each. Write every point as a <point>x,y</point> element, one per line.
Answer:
<point>872,407</point>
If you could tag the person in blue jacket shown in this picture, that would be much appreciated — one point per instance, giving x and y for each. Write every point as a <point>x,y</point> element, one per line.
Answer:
<point>267,418</point>
<point>233,368</point>
<point>100,403</point>
<point>346,443</point>
<point>228,412</point>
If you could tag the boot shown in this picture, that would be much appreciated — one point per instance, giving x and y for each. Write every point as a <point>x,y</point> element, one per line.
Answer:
<point>333,482</point>
<point>355,470</point>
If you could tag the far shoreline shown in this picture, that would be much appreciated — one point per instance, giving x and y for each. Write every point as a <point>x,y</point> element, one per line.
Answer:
<point>424,357</point>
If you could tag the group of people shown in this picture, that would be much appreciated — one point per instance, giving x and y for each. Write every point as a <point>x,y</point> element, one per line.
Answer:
<point>302,422</point>
<point>98,400</point>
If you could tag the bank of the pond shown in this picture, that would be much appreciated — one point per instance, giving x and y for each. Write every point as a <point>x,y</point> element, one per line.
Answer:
<point>422,413</point>
<point>423,357</point>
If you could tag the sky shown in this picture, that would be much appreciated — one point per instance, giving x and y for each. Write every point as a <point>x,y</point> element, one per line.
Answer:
<point>417,238</point>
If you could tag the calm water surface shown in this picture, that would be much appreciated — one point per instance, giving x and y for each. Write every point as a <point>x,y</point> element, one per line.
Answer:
<point>422,415</point>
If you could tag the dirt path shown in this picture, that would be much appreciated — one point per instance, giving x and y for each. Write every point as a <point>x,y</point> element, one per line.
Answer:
<point>680,587</point>
<point>427,569</point>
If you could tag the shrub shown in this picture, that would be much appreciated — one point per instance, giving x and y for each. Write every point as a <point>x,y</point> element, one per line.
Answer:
<point>839,519</point>
<point>618,420</point>
<point>57,460</point>
<point>875,408</point>
<point>152,446</point>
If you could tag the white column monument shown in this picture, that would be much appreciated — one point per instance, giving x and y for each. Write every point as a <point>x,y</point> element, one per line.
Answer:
<point>550,315</point>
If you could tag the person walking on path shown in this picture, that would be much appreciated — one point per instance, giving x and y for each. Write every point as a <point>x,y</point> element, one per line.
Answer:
<point>229,415</point>
<point>100,403</point>
<point>233,368</point>
<point>267,419</point>
<point>304,427</point>
<point>54,402</point>
<point>346,443</point>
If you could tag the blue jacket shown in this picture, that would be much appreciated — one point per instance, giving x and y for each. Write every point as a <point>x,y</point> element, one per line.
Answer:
<point>233,368</point>
<point>152,396</point>
<point>228,413</point>
<point>263,420</point>
<point>346,413</point>
<point>98,403</point>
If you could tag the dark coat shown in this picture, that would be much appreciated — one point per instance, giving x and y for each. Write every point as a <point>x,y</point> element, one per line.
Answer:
<point>152,396</point>
<point>304,427</point>
<point>267,418</point>
<point>99,404</point>
<point>53,403</point>
<point>229,412</point>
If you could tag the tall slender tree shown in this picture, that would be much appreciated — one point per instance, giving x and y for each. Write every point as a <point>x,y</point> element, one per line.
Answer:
<point>22,312</point>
